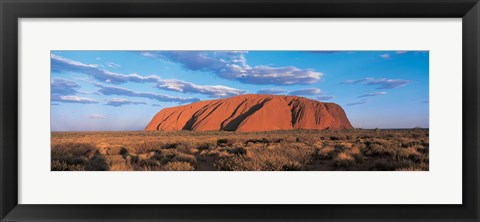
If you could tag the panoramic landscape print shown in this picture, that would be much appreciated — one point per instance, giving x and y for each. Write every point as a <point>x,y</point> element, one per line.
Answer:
<point>239,110</point>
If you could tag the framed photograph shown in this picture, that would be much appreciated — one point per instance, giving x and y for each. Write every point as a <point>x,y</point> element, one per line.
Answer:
<point>227,110</point>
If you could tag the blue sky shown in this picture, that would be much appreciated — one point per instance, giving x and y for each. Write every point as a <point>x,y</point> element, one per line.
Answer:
<point>123,90</point>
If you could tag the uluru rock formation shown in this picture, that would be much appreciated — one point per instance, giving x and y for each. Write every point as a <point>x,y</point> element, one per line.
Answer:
<point>250,113</point>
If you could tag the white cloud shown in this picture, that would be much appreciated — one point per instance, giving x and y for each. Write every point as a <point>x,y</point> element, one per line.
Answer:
<point>372,94</point>
<point>213,91</point>
<point>357,103</point>
<point>271,91</point>
<point>323,98</point>
<point>73,99</point>
<point>63,87</point>
<point>385,56</point>
<point>113,65</point>
<point>113,90</point>
<point>382,82</point>
<point>310,91</point>
<point>97,116</point>
<point>147,54</point>
<point>64,65</point>
<point>233,65</point>
<point>120,102</point>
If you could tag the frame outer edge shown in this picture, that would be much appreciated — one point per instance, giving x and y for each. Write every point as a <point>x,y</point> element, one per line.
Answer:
<point>471,109</point>
<point>9,93</point>
<point>476,62</point>
<point>8,109</point>
<point>3,210</point>
<point>2,213</point>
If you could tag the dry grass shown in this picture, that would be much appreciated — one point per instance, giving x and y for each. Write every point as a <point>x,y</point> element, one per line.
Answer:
<point>258,157</point>
<point>262,151</point>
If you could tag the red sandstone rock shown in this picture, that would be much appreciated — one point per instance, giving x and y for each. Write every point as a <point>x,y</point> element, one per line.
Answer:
<point>250,113</point>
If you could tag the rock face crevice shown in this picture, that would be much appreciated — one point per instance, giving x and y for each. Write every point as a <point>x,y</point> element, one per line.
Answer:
<point>252,113</point>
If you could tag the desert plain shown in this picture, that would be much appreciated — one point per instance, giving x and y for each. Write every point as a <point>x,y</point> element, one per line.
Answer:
<point>284,150</point>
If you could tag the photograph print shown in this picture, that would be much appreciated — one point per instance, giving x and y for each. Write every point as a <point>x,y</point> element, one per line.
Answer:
<point>217,110</point>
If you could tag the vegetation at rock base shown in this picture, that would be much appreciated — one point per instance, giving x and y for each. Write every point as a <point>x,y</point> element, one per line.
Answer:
<point>304,150</point>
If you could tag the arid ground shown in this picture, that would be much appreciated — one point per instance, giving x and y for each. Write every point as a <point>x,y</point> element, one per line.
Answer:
<point>305,150</point>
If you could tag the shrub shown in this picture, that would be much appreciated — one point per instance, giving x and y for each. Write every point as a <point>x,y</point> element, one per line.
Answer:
<point>280,157</point>
<point>222,142</point>
<point>97,163</point>
<point>123,151</point>
<point>72,149</point>
<point>344,159</point>
<point>238,151</point>
<point>326,153</point>
<point>148,165</point>
<point>292,166</point>
<point>63,166</point>
<point>170,146</point>
<point>181,157</point>
<point>118,163</point>
<point>178,166</point>
<point>205,146</point>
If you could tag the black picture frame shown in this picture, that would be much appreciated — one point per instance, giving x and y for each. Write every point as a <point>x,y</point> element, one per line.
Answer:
<point>12,10</point>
